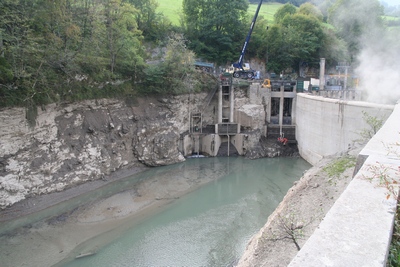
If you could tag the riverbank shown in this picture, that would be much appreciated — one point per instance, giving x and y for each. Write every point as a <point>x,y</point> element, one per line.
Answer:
<point>300,213</point>
<point>41,202</point>
<point>85,229</point>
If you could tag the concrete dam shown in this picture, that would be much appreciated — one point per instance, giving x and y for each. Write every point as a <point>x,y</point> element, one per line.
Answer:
<point>321,126</point>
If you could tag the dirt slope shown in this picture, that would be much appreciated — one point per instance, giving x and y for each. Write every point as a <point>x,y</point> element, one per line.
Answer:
<point>297,216</point>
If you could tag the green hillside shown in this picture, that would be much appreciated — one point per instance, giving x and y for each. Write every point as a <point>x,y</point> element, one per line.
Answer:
<point>392,22</point>
<point>267,10</point>
<point>172,9</point>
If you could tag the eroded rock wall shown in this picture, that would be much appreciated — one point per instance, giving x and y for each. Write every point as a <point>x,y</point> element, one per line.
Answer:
<point>70,144</point>
<point>74,143</point>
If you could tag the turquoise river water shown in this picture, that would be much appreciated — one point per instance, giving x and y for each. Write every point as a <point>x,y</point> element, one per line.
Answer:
<point>210,226</point>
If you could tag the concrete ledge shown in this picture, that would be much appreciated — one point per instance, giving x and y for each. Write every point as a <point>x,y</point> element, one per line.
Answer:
<point>357,230</point>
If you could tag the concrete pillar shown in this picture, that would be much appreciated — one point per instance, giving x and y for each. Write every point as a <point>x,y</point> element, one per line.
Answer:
<point>229,144</point>
<point>196,144</point>
<point>294,110</point>
<point>268,107</point>
<point>281,106</point>
<point>220,104</point>
<point>231,102</point>
<point>322,74</point>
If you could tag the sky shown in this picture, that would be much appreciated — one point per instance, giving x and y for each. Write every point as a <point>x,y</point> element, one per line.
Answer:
<point>391,2</point>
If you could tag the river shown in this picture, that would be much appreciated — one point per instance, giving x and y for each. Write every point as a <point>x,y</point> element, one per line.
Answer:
<point>209,226</point>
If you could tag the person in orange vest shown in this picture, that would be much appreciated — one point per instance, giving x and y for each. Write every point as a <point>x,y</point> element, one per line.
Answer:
<point>283,140</point>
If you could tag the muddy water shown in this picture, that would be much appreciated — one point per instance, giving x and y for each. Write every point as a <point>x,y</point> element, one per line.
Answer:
<point>207,227</point>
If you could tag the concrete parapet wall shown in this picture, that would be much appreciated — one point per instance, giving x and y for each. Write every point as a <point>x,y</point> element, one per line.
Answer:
<point>357,230</point>
<point>326,127</point>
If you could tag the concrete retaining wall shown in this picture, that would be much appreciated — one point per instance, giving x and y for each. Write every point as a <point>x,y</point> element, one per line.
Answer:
<point>357,230</point>
<point>211,144</point>
<point>325,126</point>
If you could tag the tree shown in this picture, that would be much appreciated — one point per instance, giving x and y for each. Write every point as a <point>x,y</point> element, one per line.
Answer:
<point>333,48</point>
<point>20,52</point>
<point>52,50</point>
<point>174,74</point>
<point>215,28</point>
<point>257,47</point>
<point>152,24</point>
<point>285,10</point>
<point>295,38</point>
<point>63,36</point>
<point>290,227</point>
<point>277,57</point>
<point>122,34</point>
<point>309,9</point>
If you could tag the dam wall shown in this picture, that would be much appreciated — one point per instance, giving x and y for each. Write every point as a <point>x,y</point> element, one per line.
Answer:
<point>326,127</point>
<point>357,230</point>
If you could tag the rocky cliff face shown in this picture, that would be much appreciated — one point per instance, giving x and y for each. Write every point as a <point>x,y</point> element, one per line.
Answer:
<point>71,144</point>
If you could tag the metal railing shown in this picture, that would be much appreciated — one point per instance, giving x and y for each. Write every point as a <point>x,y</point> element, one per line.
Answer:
<point>228,128</point>
<point>350,94</point>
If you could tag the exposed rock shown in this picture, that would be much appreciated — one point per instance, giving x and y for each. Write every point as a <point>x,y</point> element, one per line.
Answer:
<point>262,147</point>
<point>158,145</point>
<point>255,115</point>
<point>70,144</point>
<point>74,143</point>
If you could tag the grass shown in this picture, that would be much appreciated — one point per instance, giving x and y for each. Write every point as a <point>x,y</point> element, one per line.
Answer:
<point>336,168</point>
<point>394,250</point>
<point>172,9</point>
<point>390,18</point>
<point>393,23</point>
<point>267,10</point>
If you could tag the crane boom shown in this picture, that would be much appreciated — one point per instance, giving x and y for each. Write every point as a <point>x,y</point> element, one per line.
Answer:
<point>239,64</point>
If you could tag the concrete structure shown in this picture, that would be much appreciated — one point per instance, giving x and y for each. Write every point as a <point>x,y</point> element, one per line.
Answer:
<point>325,126</point>
<point>322,126</point>
<point>348,95</point>
<point>270,110</point>
<point>357,230</point>
<point>322,74</point>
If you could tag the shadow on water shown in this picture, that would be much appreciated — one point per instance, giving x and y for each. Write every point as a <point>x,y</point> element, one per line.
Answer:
<point>64,208</point>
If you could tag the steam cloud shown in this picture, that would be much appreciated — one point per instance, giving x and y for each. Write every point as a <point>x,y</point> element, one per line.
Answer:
<point>378,63</point>
<point>379,69</point>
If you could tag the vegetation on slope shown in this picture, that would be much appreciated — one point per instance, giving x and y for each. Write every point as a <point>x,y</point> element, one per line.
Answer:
<point>394,250</point>
<point>74,50</point>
